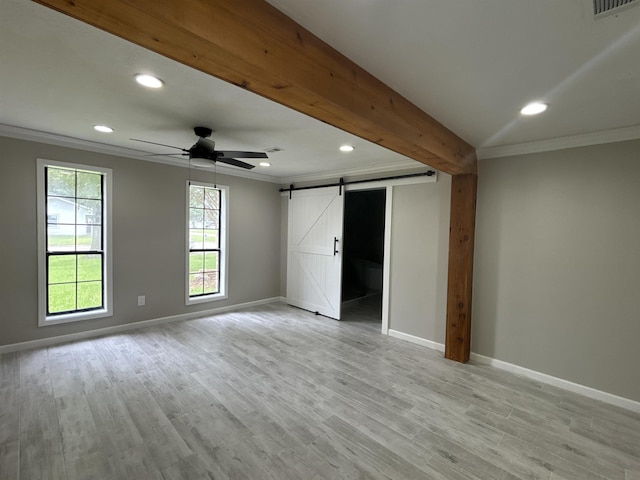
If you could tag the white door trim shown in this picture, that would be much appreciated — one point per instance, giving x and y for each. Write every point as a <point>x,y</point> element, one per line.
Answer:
<point>386,267</point>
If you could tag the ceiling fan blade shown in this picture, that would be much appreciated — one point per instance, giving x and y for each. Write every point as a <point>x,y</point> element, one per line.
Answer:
<point>154,143</point>
<point>236,154</point>
<point>164,155</point>
<point>234,162</point>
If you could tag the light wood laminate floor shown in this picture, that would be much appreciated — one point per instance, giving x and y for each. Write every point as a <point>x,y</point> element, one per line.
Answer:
<point>277,393</point>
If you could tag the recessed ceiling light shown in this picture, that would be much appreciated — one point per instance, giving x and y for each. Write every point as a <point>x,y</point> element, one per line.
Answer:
<point>264,164</point>
<point>534,108</point>
<point>346,148</point>
<point>149,81</point>
<point>103,128</point>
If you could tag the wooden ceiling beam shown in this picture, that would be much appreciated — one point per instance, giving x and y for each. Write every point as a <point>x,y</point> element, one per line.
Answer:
<point>253,45</point>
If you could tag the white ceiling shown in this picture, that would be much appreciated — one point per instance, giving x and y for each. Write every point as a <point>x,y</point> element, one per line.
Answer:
<point>470,64</point>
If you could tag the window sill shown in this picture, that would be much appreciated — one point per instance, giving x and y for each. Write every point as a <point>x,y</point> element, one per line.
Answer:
<point>74,317</point>
<point>206,298</point>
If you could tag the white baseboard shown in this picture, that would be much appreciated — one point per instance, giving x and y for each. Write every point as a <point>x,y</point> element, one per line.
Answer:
<point>606,397</point>
<point>44,342</point>
<point>418,340</point>
<point>559,382</point>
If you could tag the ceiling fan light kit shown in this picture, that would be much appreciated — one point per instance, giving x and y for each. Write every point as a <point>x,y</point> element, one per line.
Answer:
<point>201,163</point>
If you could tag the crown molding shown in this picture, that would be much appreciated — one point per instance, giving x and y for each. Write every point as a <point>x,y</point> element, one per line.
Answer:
<point>79,144</point>
<point>560,143</point>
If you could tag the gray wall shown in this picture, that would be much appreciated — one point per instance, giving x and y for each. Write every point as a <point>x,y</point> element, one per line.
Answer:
<point>419,256</point>
<point>557,258</point>
<point>557,255</point>
<point>557,264</point>
<point>148,239</point>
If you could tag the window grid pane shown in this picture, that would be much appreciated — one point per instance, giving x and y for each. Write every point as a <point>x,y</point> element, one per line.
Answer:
<point>196,262</point>
<point>62,298</point>
<point>204,240</point>
<point>210,281</point>
<point>210,239</point>
<point>62,269</point>
<point>196,285</point>
<point>89,267</point>
<point>89,295</point>
<point>211,261</point>
<point>89,185</point>
<point>196,196</point>
<point>75,257</point>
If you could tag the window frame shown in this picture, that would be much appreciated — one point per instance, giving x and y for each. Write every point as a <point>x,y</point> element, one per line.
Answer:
<point>107,268</point>
<point>223,238</point>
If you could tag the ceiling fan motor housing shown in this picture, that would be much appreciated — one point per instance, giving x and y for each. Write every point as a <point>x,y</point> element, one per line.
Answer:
<point>202,150</point>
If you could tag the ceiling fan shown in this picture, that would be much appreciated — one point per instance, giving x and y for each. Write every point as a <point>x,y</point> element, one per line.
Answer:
<point>205,150</point>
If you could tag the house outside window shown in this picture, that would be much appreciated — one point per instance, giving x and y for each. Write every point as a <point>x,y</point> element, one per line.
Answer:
<point>207,207</point>
<point>52,220</point>
<point>74,261</point>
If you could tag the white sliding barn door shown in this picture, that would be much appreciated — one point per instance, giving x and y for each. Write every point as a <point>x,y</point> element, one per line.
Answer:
<point>314,263</point>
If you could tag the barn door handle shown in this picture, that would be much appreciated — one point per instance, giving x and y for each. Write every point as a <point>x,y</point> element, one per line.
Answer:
<point>335,246</point>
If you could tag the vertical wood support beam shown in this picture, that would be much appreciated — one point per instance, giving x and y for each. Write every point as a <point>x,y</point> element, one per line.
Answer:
<point>461,240</point>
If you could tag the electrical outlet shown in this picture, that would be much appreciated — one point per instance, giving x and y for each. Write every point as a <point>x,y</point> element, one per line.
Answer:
<point>141,300</point>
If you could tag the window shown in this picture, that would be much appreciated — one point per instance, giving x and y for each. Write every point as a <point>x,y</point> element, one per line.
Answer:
<point>206,242</point>
<point>74,219</point>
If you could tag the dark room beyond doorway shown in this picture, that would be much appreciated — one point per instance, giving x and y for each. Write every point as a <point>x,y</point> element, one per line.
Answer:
<point>363,255</point>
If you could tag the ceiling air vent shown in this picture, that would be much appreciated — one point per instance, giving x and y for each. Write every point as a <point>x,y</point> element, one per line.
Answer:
<point>602,8</point>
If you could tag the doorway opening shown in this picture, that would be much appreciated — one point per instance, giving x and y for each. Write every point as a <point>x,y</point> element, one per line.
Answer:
<point>363,255</point>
